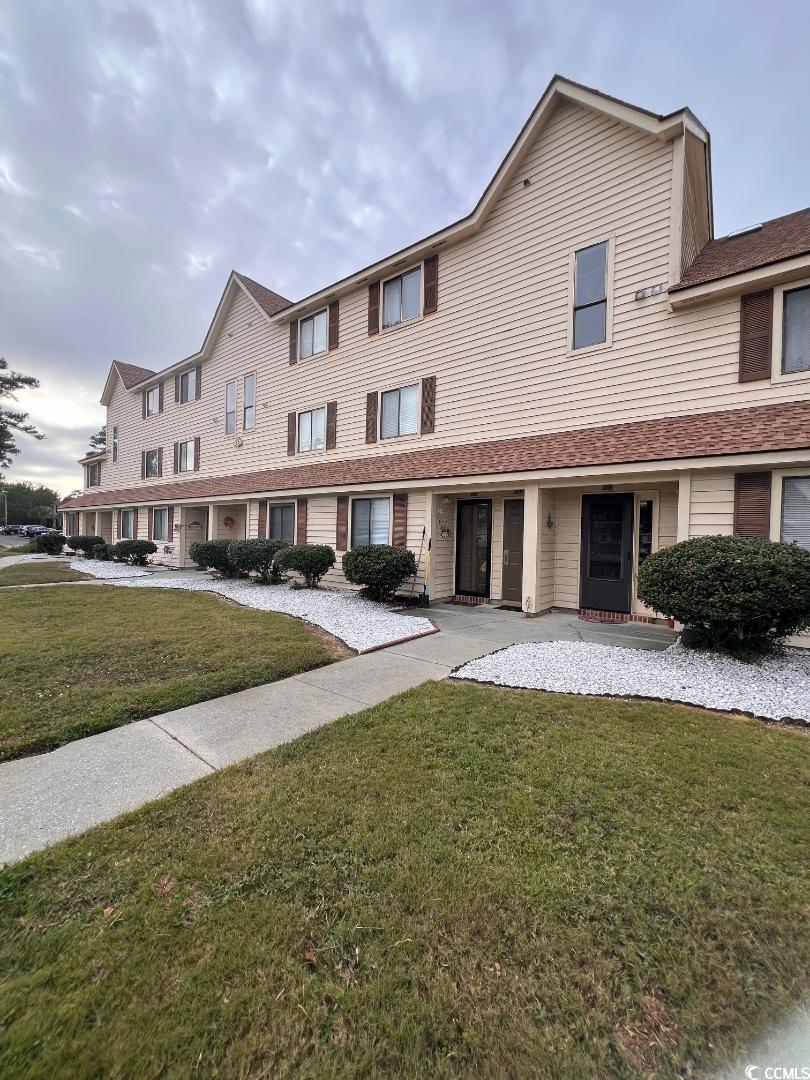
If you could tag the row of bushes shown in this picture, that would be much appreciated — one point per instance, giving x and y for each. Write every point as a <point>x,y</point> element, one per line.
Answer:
<point>133,552</point>
<point>379,568</point>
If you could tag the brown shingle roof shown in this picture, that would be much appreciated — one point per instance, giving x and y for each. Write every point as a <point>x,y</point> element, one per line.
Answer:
<point>131,374</point>
<point>734,431</point>
<point>775,240</point>
<point>270,302</point>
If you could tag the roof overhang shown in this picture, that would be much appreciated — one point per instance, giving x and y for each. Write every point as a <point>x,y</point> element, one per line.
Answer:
<point>761,277</point>
<point>88,459</point>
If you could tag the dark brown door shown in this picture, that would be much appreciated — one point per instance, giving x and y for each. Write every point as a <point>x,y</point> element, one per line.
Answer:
<point>607,552</point>
<point>473,544</point>
<point>512,583</point>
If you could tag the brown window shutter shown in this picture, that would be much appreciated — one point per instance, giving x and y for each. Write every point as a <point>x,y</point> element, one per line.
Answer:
<point>143,464</point>
<point>198,383</point>
<point>371,417</point>
<point>752,504</point>
<point>150,530</point>
<point>170,524</point>
<point>135,523</point>
<point>399,533</point>
<point>334,324</point>
<point>374,308</point>
<point>431,282</point>
<point>177,388</point>
<point>177,457</point>
<point>118,524</point>
<point>263,520</point>
<point>196,453</point>
<point>301,522</point>
<point>331,425</point>
<point>756,320</point>
<point>342,524</point>
<point>160,397</point>
<point>143,404</point>
<point>294,342</point>
<point>428,416</point>
<point>160,461</point>
<point>291,433</point>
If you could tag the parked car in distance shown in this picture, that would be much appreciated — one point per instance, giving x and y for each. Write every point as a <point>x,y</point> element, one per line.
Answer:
<point>13,530</point>
<point>33,530</point>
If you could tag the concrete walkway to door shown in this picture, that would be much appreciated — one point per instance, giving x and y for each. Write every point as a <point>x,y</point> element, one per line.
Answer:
<point>51,796</point>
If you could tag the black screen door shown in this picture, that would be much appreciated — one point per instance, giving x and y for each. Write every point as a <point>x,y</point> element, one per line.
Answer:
<point>473,543</point>
<point>607,552</point>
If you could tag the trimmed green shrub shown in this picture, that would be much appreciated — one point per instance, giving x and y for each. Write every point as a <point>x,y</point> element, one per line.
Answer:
<point>85,544</point>
<point>49,543</point>
<point>738,594</point>
<point>257,556</point>
<point>101,552</point>
<point>311,561</point>
<point>213,555</point>
<point>380,568</point>
<point>134,552</point>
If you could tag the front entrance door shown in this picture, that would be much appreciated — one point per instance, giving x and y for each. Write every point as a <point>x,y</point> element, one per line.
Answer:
<point>195,527</point>
<point>607,552</point>
<point>512,582</point>
<point>473,543</point>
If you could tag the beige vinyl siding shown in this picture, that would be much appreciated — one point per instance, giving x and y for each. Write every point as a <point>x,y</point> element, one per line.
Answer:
<point>695,200</point>
<point>496,556</point>
<point>548,548</point>
<point>711,504</point>
<point>443,553</point>
<point>566,556</point>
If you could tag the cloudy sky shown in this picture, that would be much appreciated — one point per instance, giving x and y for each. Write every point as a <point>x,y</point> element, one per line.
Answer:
<point>146,148</point>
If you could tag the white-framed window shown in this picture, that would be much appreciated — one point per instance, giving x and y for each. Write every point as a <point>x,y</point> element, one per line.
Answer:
<point>312,334</point>
<point>115,443</point>
<point>590,324</point>
<point>796,330</point>
<point>795,525</point>
<point>311,430</point>
<point>371,521</point>
<point>151,463</point>
<point>188,386</point>
<point>185,456</point>
<point>160,523</point>
<point>230,408</point>
<point>402,297</point>
<point>127,524</point>
<point>281,522</point>
<point>249,402</point>
<point>399,412</point>
<point>152,401</point>
<point>93,474</point>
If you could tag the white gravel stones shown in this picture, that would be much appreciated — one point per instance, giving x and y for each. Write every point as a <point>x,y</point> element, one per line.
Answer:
<point>362,624</point>
<point>777,688</point>
<point>107,571</point>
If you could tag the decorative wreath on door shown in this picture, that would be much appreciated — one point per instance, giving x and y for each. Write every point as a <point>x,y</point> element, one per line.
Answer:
<point>228,522</point>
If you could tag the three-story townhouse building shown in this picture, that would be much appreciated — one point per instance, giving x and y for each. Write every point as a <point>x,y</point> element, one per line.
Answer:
<point>541,394</point>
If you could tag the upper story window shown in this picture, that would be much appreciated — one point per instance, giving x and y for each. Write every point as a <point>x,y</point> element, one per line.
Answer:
<point>185,456</point>
<point>402,297</point>
<point>796,331</point>
<point>93,474</point>
<point>399,412</point>
<point>115,443</point>
<point>312,334</point>
<point>160,523</point>
<point>590,296</point>
<point>230,408</point>
<point>188,386</point>
<point>311,430</point>
<point>151,463</point>
<point>127,524</point>
<point>153,401</point>
<point>370,521</point>
<point>281,522</point>
<point>249,402</point>
<point>796,510</point>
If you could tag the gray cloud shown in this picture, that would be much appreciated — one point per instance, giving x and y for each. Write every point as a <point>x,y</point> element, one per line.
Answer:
<point>147,148</point>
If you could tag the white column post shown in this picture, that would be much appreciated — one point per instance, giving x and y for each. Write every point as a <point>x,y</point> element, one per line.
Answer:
<point>532,538</point>
<point>684,505</point>
<point>212,521</point>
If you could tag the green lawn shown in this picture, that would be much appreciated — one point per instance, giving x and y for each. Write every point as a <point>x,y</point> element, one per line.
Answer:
<point>21,549</point>
<point>78,661</point>
<point>463,881</point>
<point>38,574</point>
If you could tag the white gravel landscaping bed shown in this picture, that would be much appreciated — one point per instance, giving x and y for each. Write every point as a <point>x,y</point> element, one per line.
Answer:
<point>362,624</point>
<point>776,689</point>
<point>107,571</point>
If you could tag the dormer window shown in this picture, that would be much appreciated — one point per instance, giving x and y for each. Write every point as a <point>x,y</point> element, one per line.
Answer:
<point>402,297</point>
<point>312,335</point>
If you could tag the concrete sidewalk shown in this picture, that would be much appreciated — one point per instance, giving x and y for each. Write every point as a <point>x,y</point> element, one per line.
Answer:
<point>48,797</point>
